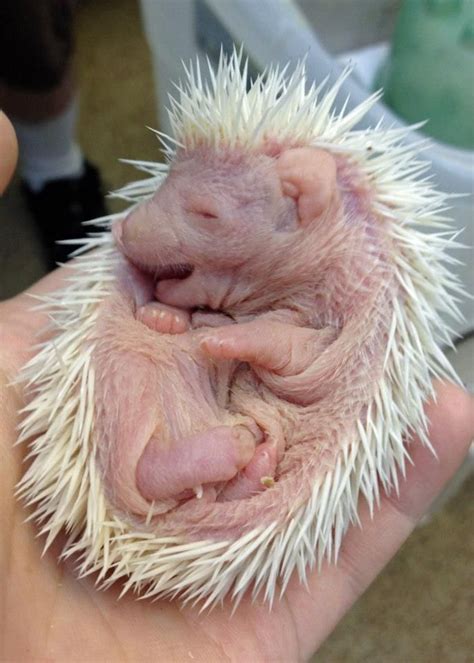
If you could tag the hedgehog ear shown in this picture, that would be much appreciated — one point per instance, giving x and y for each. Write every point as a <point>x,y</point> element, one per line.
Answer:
<point>308,175</point>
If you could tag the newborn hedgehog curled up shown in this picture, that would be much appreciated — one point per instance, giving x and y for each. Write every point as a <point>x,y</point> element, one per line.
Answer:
<point>246,350</point>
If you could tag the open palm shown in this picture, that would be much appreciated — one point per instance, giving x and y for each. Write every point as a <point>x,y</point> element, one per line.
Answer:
<point>48,614</point>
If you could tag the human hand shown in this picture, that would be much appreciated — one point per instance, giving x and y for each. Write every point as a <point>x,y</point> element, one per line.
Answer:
<point>49,614</point>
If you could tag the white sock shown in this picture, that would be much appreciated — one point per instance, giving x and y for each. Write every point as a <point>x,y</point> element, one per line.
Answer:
<point>47,150</point>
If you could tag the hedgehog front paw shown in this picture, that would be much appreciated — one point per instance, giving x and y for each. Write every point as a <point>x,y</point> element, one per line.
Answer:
<point>163,318</point>
<point>280,348</point>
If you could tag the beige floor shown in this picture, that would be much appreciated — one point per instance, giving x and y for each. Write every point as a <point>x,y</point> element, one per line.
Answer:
<point>420,608</point>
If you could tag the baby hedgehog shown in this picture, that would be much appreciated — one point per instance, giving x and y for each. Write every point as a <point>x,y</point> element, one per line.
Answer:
<point>246,351</point>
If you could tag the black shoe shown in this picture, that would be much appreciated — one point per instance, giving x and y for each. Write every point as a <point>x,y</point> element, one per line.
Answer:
<point>60,208</point>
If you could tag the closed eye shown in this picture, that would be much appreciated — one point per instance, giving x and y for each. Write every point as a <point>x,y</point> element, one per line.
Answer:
<point>204,213</point>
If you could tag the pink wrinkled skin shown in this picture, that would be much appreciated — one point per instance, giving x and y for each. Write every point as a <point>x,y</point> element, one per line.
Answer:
<point>244,337</point>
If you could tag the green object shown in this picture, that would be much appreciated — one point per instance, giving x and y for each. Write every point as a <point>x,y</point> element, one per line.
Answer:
<point>430,72</point>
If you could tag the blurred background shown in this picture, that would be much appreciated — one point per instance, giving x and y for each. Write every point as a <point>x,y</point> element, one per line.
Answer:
<point>122,56</point>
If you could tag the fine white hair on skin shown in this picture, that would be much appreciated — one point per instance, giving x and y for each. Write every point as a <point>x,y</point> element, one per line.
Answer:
<point>62,484</point>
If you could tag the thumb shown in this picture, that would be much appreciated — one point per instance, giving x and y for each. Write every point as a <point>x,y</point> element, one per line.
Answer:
<point>8,151</point>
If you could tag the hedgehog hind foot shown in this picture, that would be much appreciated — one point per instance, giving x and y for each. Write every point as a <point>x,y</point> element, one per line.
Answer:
<point>208,457</point>
<point>255,477</point>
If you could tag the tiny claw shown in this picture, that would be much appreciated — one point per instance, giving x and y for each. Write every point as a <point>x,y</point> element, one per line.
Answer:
<point>198,491</point>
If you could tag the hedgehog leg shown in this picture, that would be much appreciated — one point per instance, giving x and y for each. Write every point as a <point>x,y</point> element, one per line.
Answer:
<point>284,356</point>
<point>165,319</point>
<point>257,476</point>
<point>282,348</point>
<point>217,454</point>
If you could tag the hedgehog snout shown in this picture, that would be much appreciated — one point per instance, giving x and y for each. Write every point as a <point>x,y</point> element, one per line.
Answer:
<point>117,234</point>
<point>127,233</point>
<point>141,242</point>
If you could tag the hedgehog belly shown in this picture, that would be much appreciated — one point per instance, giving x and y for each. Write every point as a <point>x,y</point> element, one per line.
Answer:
<point>156,386</point>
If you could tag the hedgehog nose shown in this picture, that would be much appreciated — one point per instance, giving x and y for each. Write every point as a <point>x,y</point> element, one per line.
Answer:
<point>125,232</point>
<point>130,230</point>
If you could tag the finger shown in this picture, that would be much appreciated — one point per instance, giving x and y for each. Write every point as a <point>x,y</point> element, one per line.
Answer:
<point>24,306</point>
<point>8,151</point>
<point>29,325</point>
<point>451,433</point>
<point>367,550</point>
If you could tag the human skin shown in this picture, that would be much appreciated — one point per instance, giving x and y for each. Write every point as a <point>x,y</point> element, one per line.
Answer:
<point>47,614</point>
<point>8,151</point>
